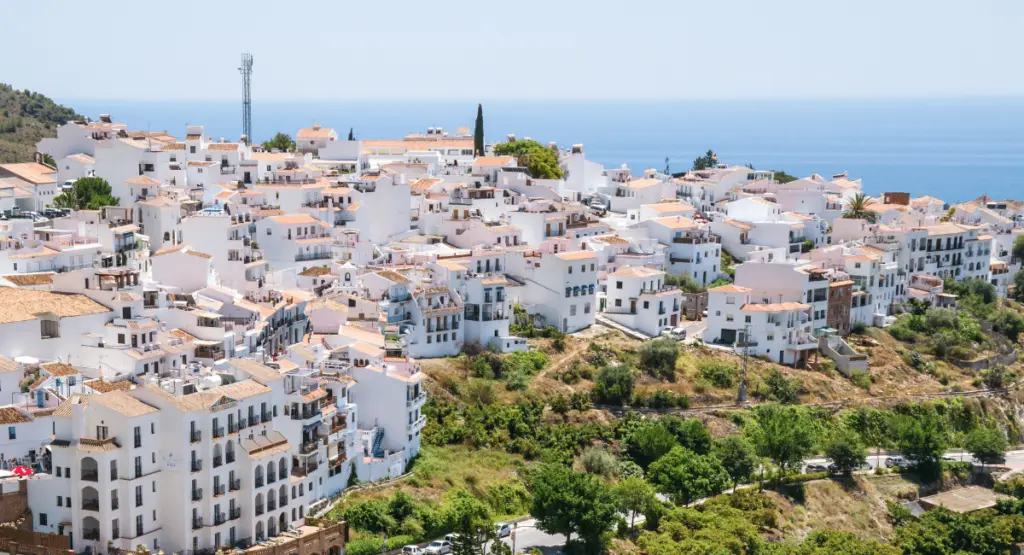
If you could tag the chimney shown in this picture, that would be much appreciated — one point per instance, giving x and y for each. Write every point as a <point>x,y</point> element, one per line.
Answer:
<point>105,118</point>
<point>577,149</point>
<point>316,127</point>
<point>511,138</point>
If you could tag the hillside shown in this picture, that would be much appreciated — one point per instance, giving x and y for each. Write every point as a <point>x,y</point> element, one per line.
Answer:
<point>26,117</point>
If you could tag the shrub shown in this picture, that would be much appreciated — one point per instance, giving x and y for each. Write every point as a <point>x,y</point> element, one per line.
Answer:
<point>658,357</point>
<point>861,379</point>
<point>597,460</point>
<point>720,374</point>
<point>781,388</point>
<point>614,385</point>
<point>859,328</point>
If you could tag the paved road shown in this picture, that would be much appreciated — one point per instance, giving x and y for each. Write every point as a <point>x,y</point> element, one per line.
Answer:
<point>529,537</point>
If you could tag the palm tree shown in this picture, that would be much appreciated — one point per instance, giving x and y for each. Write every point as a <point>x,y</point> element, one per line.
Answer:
<point>857,208</point>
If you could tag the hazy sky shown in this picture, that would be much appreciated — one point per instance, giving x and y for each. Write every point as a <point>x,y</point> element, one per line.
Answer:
<point>536,49</point>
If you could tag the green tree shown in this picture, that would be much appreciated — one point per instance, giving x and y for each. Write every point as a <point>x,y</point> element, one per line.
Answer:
<point>857,208</point>
<point>281,141</point>
<point>781,388</point>
<point>686,476</point>
<point>845,449</point>
<point>691,433</point>
<point>598,461</point>
<point>48,160</point>
<point>540,162</point>
<point>836,542</point>
<point>987,445</point>
<point>1018,287</point>
<point>782,434</point>
<point>88,193</point>
<point>351,134</point>
<point>471,521</point>
<point>783,177</point>
<point>738,458</point>
<point>658,357</point>
<point>614,385</point>
<point>633,495</point>
<point>921,437</point>
<point>872,426</point>
<point>709,160</point>
<point>478,131</point>
<point>1018,248</point>
<point>649,443</point>
<point>567,502</point>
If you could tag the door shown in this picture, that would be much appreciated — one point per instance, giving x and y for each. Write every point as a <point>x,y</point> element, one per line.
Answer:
<point>674,319</point>
<point>565,324</point>
<point>780,355</point>
<point>632,306</point>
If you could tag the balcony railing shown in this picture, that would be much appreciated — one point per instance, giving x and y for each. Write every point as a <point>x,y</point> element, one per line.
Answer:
<point>235,513</point>
<point>218,432</point>
<point>91,504</point>
<point>195,436</point>
<point>229,458</point>
<point>197,523</point>
<point>217,461</point>
<point>197,465</point>
<point>259,510</point>
<point>323,255</point>
<point>91,535</point>
<point>220,489</point>
<point>90,476</point>
<point>197,494</point>
<point>220,518</point>
<point>259,482</point>
<point>235,484</point>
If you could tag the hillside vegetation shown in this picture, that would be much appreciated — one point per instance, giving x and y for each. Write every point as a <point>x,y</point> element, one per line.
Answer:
<point>25,118</point>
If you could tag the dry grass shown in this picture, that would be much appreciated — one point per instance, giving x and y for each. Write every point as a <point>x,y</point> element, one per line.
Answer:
<point>858,507</point>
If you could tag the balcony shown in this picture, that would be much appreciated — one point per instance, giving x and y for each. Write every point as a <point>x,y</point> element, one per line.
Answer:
<point>218,432</point>
<point>235,484</point>
<point>226,169</point>
<point>90,504</point>
<point>220,518</point>
<point>271,505</point>
<point>322,255</point>
<point>217,461</point>
<point>219,489</point>
<point>197,494</point>
<point>92,535</point>
<point>690,240</point>
<point>265,417</point>
<point>195,436</point>
<point>309,447</point>
<point>235,513</point>
<point>90,476</point>
<point>416,424</point>
<point>417,400</point>
<point>229,458</point>
<point>259,510</point>
<point>197,523</point>
<point>258,482</point>
<point>197,465</point>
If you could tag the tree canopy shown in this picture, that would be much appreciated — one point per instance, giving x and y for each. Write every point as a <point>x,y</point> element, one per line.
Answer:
<point>783,434</point>
<point>987,445</point>
<point>567,502</point>
<point>857,208</point>
<point>478,131</point>
<point>281,141</point>
<point>541,162</point>
<point>709,160</point>
<point>686,476</point>
<point>845,449</point>
<point>88,193</point>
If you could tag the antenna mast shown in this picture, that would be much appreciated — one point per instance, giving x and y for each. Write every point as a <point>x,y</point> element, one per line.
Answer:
<point>246,71</point>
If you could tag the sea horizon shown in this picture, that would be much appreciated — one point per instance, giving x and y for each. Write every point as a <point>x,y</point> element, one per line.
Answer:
<point>954,149</point>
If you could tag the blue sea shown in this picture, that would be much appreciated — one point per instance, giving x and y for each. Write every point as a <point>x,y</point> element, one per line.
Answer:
<point>952,149</point>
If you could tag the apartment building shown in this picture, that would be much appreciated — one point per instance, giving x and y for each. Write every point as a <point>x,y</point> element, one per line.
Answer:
<point>638,298</point>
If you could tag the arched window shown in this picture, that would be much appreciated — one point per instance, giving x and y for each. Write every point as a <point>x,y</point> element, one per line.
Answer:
<point>282,468</point>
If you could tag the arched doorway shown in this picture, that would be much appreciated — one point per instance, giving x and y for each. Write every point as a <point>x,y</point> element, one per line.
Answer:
<point>90,499</point>
<point>259,531</point>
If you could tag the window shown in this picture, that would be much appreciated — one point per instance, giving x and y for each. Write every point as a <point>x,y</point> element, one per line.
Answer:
<point>138,525</point>
<point>730,300</point>
<point>12,433</point>
<point>591,266</point>
<point>572,310</point>
<point>586,310</point>
<point>138,496</point>
<point>42,519</point>
<point>570,269</point>
<point>647,304</point>
<point>746,319</point>
<point>618,285</point>
<point>49,329</point>
<point>138,437</point>
<point>618,302</point>
<point>60,501</point>
<point>120,338</point>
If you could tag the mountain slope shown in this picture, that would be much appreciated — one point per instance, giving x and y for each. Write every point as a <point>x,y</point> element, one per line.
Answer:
<point>26,117</point>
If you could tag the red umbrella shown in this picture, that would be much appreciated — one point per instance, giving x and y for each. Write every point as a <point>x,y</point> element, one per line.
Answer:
<point>22,471</point>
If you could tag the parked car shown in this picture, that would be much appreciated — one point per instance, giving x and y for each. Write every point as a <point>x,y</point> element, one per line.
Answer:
<point>812,468</point>
<point>835,469</point>
<point>679,333</point>
<point>412,550</point>
<point>897,460</point>
<point>503,529</point>
<point>450,538</point>
<point>439,547</point>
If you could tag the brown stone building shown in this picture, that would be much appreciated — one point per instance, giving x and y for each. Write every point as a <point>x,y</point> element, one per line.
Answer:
<point>840,302</point>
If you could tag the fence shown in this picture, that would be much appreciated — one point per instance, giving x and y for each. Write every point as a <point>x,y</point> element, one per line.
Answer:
<point>21,542</point>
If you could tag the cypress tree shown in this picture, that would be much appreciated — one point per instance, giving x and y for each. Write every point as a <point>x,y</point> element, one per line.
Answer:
<point>351,136</point>
<point>478,133</point>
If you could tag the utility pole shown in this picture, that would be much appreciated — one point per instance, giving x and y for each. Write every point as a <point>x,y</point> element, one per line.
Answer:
<point>741,398</point>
